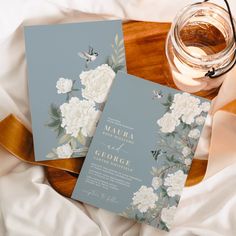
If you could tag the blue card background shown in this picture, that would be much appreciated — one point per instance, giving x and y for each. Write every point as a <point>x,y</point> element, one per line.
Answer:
<point>130,104</point>
<point>52,52</point>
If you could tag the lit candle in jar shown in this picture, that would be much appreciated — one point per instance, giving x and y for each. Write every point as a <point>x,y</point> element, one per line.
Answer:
<point>200,39</point>
<point>193,80</point>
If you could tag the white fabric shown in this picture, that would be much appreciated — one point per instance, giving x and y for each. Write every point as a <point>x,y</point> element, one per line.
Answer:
<point>28,205</point>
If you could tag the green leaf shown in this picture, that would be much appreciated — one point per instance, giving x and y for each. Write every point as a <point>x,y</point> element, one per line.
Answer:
<point>113,59</point>
<point>54,123</point>
<point>81,139</point>
<point>82,153</point>
<point>73,143</point>
<point>121,50</point>
<point>170,98</point>
<point>54,111</point>
<point>67,97</point>
<point>109,62</point>
<point>166,104</point>
<point>65,139</point>
<point>51,155</point>
<point>60,131</point>
<point>116,39</point>
<point>117,68</point>
<point>164,192</point>
<point>121,44</point>
<point>121,55</point>
<point>121,60</point>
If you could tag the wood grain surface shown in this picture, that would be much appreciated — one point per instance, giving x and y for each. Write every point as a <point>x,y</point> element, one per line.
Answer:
<point>145,55</point>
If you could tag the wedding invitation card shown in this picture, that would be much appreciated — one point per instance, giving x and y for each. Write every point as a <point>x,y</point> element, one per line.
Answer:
<point>70,68</point>
<point>142,150</point>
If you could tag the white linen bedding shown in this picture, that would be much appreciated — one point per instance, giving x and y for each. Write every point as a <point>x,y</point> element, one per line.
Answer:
<point>28,205</point>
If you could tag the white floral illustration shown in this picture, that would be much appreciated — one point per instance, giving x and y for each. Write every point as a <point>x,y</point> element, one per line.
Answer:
<point>194,133</point>
<point>74,120</point>
<point>205,106</point>
<point>79,115</point>
<point>64,85</point>
<point>156,182</point>
<point>178,133</point>
<point>186,106</point>
<point>145,199</point>
<point>175,183</point>
<point>188,161</point>
<point>167,215</point>
<point>97,83</point>
<point>168,123</point>
<point>64,151</point>
<point>186,151</point>
<point>200,120</point>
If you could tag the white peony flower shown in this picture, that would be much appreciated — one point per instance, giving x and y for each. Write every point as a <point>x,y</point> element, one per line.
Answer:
<point>185,106</point>
<point>186,151</point>
<point>167,215</point>
<point>168,122</point>
<point>64,151</point>
<point>145,199</point>
<point>97,83</point>
<point>64,85</point>
<point>156,182</point>
<point>79,115</point>
<point>205,106</point>
<point>187,161</point>
<point>194,133</point>
<point>200,120</point>
<point>175,183</point>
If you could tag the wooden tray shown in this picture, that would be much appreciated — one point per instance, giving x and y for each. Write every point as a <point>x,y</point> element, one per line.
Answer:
<point>145,55</point>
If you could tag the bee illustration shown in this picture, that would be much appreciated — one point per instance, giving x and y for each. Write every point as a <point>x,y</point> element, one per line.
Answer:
<point>156,154</point>
<point>157,94</point>
<point>89,56</point>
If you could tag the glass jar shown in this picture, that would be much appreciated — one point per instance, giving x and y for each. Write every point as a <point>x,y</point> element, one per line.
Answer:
<point>200,39</point>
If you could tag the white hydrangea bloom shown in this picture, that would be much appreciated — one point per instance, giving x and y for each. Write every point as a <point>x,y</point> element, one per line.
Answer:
<point>64,85</point>
<point>168,122</point>
<point>200,120</point>
<point>64,151</point>
<point>79,115</point>
<point>205,106</point>
<point>97,83</point>
<point>167,215</point>
<point>185,106</point>
<point>144,199</point>
<point>188,161</point>
<point>175,183</point>
<point>194,133</point>
<point>186,151</point>
<point>156,182</point>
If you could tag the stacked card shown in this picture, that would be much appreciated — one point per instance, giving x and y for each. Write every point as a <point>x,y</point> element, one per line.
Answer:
<point>142,150</point>
<point>139,158</point>
<point>71,68</point>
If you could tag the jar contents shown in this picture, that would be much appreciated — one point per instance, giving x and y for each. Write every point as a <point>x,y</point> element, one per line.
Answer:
<point>200,39</point>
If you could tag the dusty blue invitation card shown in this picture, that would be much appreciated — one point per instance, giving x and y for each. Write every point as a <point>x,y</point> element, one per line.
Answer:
<point>70,68</point>
<point>142,150</point>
